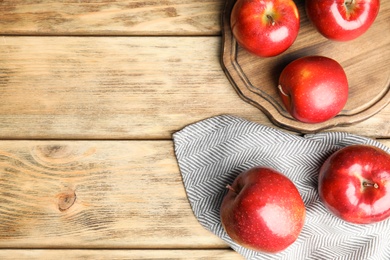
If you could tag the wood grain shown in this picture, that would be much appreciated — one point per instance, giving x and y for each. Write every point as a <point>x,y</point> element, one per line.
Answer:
<point>107,17</point>
<point>121,88</point>
<point>366,64</point>
<point>222,254</point>
<point>104,194</point>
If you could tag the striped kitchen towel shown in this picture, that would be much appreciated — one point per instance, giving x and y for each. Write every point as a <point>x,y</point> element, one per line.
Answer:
<point>211,153</point>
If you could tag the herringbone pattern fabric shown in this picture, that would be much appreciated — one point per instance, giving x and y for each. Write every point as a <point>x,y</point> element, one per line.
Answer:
<point>212,152</point>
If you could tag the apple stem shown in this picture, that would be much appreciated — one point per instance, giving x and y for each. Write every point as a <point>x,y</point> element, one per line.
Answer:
<point>369,184</point>
<point>281,90</point>
<point>349,4</point>
<point>230,188</point>
<point>271,18</point>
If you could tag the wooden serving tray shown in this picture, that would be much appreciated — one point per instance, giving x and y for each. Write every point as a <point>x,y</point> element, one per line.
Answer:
<point>366,61</point>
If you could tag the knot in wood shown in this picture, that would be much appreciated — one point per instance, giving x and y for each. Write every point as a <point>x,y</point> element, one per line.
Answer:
<point>55,151</point>
<point>66,200</point>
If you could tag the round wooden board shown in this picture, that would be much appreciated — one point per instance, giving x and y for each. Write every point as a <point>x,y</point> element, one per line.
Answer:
<point>366,61</point>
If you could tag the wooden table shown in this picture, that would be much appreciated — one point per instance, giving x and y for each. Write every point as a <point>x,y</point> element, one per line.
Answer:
<point>91,92</point>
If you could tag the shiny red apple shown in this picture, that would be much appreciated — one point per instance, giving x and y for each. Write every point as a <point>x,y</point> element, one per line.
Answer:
<point>263,210</point>
<point>265,28</point>
<point>342,20</point>
<point>313,89</point>
<point>354,184</point>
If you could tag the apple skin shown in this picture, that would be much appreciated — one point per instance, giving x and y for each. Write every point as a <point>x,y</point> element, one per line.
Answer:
<point>342,20</point>
<point>263,210</point>
<point>313,89</point>
<point>265,28</point>
<point>354,184</point>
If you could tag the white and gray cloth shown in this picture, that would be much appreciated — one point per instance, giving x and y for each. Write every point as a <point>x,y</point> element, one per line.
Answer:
<point>212,152</point>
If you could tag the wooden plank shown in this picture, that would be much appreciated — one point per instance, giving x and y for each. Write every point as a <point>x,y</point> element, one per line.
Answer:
<point>68,88</point>
<point>120,17</point>
<point>96,194</point>
<point>222,254</point>
<point>99,194</point>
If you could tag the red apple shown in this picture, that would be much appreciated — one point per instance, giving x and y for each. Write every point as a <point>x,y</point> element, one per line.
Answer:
<point>342,20</point>
<point>313,89</point>
<point>265,28</point>
<point>354,184</point>
<point>263,210</point>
